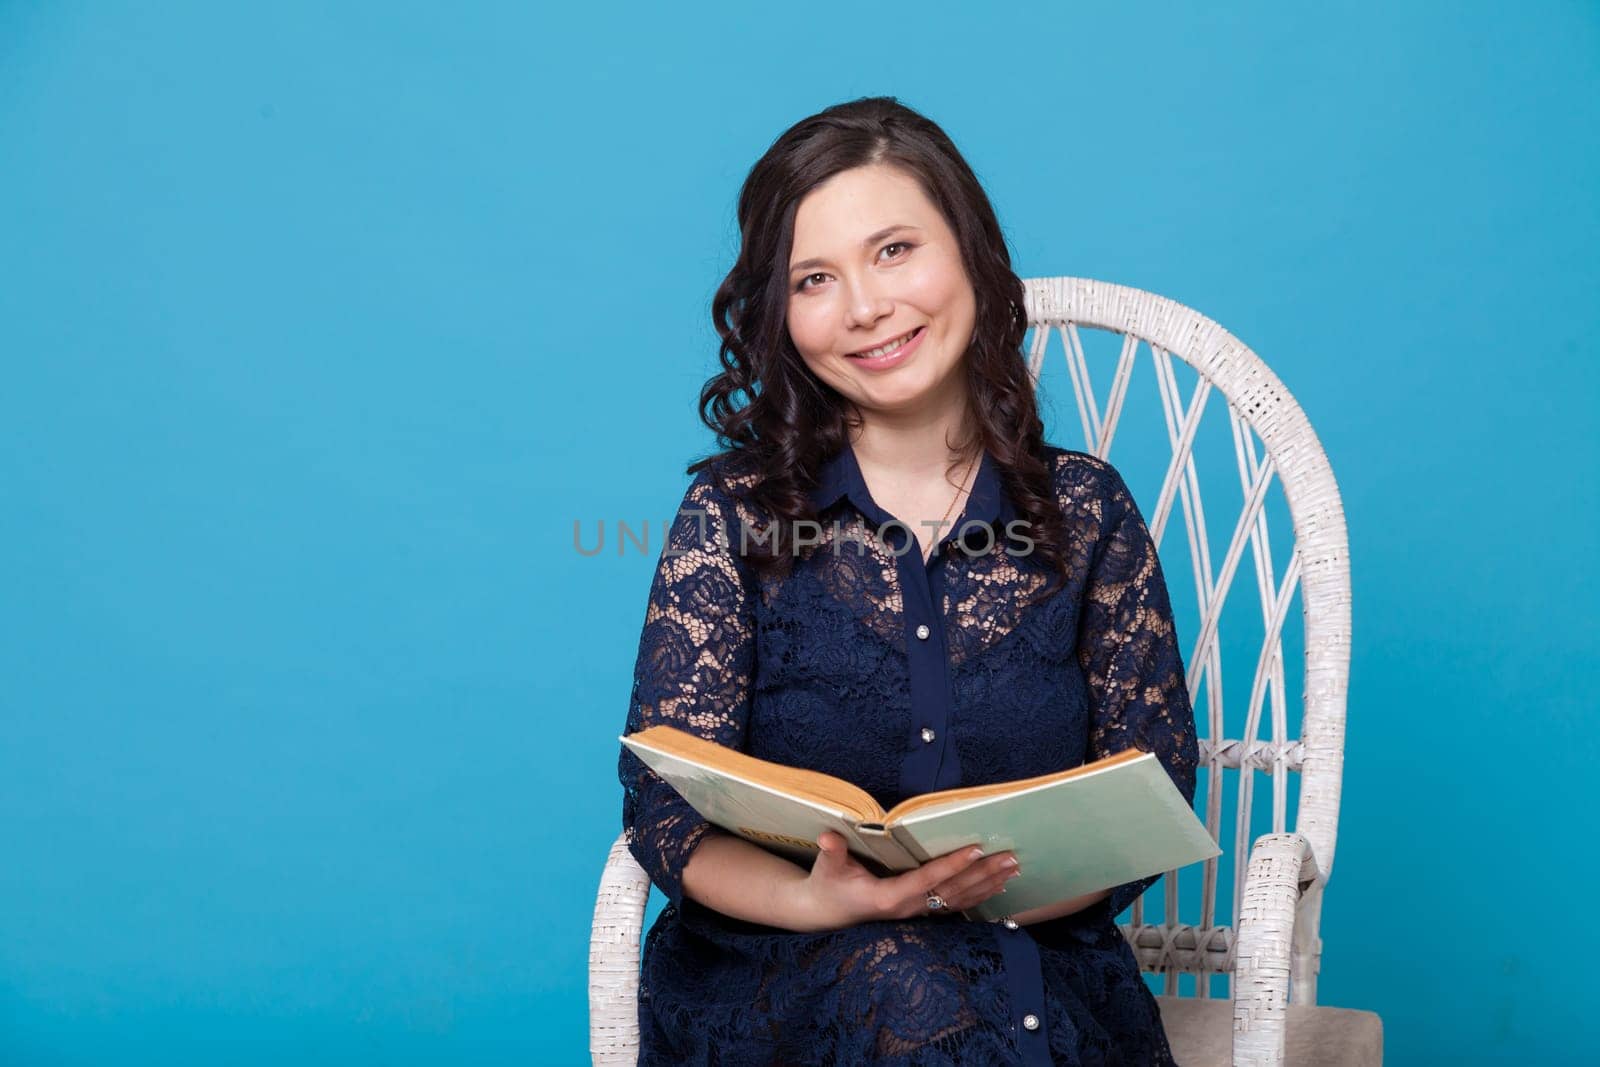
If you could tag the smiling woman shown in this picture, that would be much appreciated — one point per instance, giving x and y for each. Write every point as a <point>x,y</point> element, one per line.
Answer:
<point>872,332</point>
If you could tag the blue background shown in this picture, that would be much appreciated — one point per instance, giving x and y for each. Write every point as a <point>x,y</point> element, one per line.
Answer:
<point>322,324</point>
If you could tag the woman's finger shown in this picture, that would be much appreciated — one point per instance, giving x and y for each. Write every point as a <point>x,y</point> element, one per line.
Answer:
<point>906,894</point>
<point>996,869</point>
<point>950,876</point>
<point>977,883</point>
<point>945,868</point>
<point>834,849</point>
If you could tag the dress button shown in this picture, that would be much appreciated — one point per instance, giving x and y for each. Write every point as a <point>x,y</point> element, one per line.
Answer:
<point>1010,924</point>
<point>927,734</point>
<point>922,633</point>
<point>1030,1021</point>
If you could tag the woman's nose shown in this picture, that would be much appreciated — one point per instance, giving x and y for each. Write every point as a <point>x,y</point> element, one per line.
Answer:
<point>867,306</point>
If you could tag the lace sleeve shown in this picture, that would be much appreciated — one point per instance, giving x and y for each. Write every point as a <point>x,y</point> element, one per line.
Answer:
<point>694,669</point>
<point>1128,649</point>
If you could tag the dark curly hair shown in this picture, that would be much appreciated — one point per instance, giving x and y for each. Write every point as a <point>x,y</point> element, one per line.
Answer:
<point>775,421</point>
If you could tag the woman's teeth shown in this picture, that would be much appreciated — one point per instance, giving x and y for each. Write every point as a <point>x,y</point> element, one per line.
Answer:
<point>879,353</point>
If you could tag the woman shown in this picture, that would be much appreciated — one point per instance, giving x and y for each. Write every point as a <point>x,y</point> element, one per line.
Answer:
<point>889,576</point>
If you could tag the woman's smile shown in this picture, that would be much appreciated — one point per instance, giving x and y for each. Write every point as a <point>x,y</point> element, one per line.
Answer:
<point>890,354</point>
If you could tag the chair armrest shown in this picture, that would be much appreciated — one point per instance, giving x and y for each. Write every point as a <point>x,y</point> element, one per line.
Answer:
<point>1282,873</point>
<point>614,958</point>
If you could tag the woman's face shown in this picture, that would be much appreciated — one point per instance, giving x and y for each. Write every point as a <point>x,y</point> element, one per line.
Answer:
<point>873,262</point>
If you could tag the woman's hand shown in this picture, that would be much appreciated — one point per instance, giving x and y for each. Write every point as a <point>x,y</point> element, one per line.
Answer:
<point>841,892</point>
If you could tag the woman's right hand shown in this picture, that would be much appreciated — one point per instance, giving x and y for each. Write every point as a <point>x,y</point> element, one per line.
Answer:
<point>841,892</point>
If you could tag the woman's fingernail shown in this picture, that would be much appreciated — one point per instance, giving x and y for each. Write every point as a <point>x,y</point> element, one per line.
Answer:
<point>976,853</point>
<point>1015,874</point>
<point>1011,861</point>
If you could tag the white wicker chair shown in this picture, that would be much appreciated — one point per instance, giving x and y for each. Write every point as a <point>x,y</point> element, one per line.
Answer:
<point>1272,952</point>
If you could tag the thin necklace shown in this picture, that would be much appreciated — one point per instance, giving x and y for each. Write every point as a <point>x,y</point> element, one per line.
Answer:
<point>972,463</point>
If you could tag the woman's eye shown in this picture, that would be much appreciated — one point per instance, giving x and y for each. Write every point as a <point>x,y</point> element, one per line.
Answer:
<point>801,284</point>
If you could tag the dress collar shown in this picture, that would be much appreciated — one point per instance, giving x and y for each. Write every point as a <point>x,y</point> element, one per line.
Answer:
<point>841,477</point>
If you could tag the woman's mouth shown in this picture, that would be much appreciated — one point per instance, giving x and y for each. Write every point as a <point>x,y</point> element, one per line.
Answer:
<point>891,353</point>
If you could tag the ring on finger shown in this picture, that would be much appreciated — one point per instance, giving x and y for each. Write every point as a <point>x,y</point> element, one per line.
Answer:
<point>936,902</point>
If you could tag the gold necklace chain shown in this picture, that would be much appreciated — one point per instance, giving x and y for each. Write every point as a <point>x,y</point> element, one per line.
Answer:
<point>971,465</point>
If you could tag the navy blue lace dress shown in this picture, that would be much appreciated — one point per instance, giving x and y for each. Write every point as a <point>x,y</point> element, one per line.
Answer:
<point>902,677</point>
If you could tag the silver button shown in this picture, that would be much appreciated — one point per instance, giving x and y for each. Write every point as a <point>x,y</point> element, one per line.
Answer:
<point>927,734</point>
<point>1030,1021</point>
<point>922,633</point>
<point>1011,924</point>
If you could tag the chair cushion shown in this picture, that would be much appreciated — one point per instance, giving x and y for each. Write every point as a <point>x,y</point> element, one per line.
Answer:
<point>1201,1034</point>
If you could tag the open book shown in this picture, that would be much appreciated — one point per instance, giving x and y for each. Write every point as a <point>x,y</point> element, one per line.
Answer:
<point>1077,831</point>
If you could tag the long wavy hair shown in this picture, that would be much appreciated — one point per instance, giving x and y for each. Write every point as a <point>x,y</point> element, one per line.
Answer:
<point>775,421</point>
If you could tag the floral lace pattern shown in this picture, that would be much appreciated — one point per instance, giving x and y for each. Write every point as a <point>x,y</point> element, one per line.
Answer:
<point>816,670</point>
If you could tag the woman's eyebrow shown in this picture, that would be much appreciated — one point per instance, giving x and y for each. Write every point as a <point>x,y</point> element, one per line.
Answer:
<point>872,239</point>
